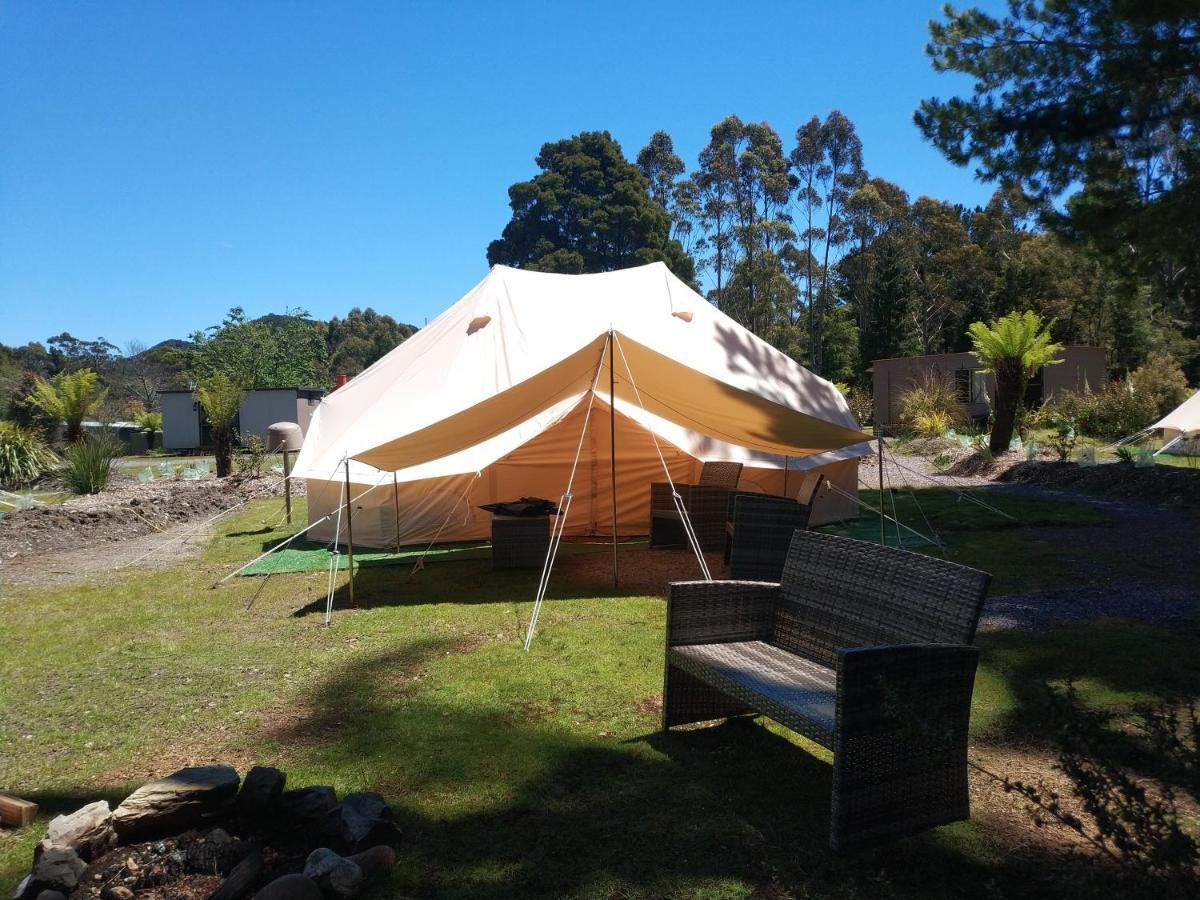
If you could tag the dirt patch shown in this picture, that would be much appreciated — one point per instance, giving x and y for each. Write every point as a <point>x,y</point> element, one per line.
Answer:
<point>1167,485</point>
<point>128,509</point>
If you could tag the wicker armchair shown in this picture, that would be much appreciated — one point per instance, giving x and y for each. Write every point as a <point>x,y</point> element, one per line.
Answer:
<point>864,650</point>
<point>760,531</point>
<point>707,505</point>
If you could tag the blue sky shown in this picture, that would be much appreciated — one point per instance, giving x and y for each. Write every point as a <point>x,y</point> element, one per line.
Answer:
<point>161,162</point>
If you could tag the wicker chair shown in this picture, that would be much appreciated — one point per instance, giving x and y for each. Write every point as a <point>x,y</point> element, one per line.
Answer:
<point>864,650</point>
<point>760,531</point>
<point>707,505</point>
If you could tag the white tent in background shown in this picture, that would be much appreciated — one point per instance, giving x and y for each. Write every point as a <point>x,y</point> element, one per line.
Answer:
<point>488,402</point>
<point>1180,424</point>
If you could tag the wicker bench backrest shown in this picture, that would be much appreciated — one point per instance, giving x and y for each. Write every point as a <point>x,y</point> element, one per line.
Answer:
<point>837,592</point>
<point>721,475</point>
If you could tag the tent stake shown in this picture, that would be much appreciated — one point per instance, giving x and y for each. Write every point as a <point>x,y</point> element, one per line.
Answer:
<point>396,502</point>
<point>349,534</point>
<point>612,448</point>
<point>287,486</point>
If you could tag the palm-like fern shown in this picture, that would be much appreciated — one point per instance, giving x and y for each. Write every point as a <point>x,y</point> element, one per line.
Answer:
<point>1012,348</point>
<point>221,399</point>
<point>70,396</point>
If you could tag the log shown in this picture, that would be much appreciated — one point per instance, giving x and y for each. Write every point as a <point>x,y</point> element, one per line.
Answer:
<point>240,879</point>
<point>16,813</point>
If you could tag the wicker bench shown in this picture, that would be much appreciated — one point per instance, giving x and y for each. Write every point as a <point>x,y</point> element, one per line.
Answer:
<point>707,505</point>
<point>864,650</point>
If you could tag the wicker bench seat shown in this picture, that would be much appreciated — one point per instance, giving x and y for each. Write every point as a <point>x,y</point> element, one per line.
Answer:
<point>865,650</point>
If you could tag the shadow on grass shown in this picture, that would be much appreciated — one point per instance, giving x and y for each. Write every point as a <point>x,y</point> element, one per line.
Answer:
<point>496,799</point>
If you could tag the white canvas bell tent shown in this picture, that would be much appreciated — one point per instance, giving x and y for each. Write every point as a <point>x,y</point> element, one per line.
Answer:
<point>1181,426</point>
<point>488,403</point>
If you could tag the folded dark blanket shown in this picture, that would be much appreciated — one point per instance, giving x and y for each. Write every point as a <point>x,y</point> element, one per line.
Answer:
<point>526,507</point>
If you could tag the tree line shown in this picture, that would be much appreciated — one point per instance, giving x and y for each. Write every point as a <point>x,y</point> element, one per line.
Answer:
<point>1085,116</point>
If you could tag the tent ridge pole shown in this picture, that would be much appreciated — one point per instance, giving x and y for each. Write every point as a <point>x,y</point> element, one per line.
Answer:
<point>612,448</point>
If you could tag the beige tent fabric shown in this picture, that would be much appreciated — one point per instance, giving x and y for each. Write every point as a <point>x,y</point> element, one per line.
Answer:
<point>447,507</point>
<point>1183,421</point>
<point>488,399</point>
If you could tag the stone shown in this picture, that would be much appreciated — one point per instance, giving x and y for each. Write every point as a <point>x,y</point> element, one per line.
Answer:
<point>182,800</point>
<point>59,869</point>
<point>119,892</point>
<point>51,895</point>
<point>24,889</point>
<point>291,887</point>
<point>305,809</point>
<point>373,861</point>
<point>335,875</point>
<point>360,821</point>
<point>261,789</point>
<point>88,831</point>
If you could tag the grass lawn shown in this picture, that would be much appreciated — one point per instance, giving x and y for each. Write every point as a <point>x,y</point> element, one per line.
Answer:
<point>512,774</point>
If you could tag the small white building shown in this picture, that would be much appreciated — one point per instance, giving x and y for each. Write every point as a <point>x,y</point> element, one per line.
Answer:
<point>184,427</point>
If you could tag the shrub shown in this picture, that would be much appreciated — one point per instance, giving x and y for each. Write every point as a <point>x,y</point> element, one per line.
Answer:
<point>931,403</point>
<point>87,464</point>
<point>24,456</point>
<point>70,396</point>
<point>149,421</point>
<point>1063,436</point>
<point>250,460</point>
<point>1161,378</point>
<point>1117,411</point>
<point>860,401</point>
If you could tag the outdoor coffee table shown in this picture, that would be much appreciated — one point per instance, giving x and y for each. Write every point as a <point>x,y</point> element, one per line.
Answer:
<point>520,542</point>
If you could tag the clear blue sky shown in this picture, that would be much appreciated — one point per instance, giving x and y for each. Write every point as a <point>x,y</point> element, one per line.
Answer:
<point>161,162</point>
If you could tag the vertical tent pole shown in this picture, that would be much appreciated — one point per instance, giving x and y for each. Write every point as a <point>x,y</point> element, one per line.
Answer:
<point>349,534</point>
<point>612,446</point>
<point>882,534</point>
<point>396,503</point>
<point>786,461</point>
<point>287,486</point>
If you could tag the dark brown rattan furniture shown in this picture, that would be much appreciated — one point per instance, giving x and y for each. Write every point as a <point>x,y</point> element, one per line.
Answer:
<point>707,505</point>
<point>520,542</point>
<point>760,532</point>
<point>865,650</point>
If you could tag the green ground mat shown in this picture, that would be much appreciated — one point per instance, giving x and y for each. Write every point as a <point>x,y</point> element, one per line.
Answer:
<point>307,556</point>
<point>866,528</point>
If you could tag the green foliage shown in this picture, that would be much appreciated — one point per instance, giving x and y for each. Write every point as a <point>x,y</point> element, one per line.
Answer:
<point>860,401</point>
<point>281,351</point>
<point>24,456</point>
<point>254,453</point>
<point>931,406</point>
<point>149,421</point>
<point>362,338</point>
<point>1063,436</point>
<point>87,464</point>
<point>587,211</point>
<point>1161,378</point>
<point>1126,454</point>
<point>71,397</point>
<point>1012,348</point>
<point>221,397</point>
<point>1117,411</point>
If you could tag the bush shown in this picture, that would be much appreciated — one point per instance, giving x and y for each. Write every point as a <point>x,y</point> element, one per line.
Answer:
<point>1161,378</point>
<point>88,464</point>
<point>149,421</point>
<point>862,405</point>
<point>930,407</point>
<point>1117,411</point>
<point>24,456</point>
<point>250,460</point>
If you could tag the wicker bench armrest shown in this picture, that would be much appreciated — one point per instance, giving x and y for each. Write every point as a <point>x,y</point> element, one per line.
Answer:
<point>714,612</point>
<point>900,747</point>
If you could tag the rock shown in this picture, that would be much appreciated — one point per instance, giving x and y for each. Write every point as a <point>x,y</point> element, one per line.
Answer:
<point>361,820</point>
<point>238,882</point>
<point>51,895</point>
<point>291,887</point>
<point>260,791</point>
<point>335,875</point>
<point>305,809</point>
<point>59,869</point>
<point>24,889</point>
<point>373,861</point>
<point>88,831</point>
<point>176,803</point>
<point>119,892</point>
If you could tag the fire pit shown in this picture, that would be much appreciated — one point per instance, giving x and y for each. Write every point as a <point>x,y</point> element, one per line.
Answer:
<point>204,832</point>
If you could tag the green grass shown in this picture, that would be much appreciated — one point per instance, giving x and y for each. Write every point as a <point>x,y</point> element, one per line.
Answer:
<point>512,774</point>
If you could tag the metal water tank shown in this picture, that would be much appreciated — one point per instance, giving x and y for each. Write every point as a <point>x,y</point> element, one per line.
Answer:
<point>284,436</point>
